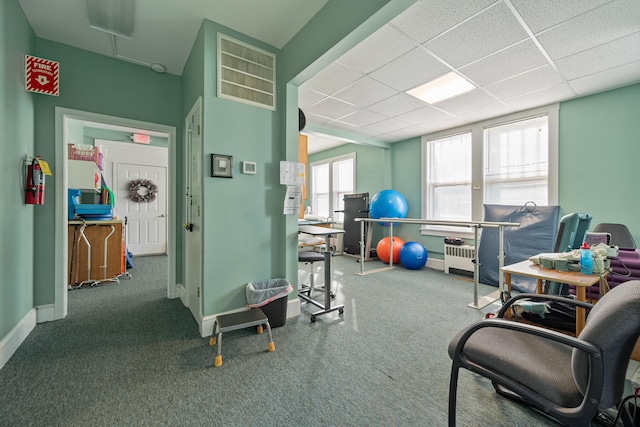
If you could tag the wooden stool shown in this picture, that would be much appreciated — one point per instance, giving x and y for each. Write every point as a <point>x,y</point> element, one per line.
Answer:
<point>240,320</point>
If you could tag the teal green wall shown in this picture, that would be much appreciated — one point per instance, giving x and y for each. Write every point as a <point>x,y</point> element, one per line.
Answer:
<point>242,216</point>
<point>599,146</point>
<point>17,140</point>
<point>90,134</point>
<point>193,74</point>
<point>372,165</point>
<point>103,85</point>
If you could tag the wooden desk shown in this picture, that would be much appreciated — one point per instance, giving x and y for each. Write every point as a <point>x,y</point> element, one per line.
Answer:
<point>581,281</point>
<point>326,233</point>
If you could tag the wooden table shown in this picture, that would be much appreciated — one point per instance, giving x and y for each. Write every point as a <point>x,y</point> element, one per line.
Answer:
<point>581,281</point>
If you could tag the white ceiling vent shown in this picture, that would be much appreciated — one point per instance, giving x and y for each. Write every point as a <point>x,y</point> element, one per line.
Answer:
<point>245,73</point>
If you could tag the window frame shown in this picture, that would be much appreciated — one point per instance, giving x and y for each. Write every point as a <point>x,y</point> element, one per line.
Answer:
<point>330,161</point>
<point>477,131</point>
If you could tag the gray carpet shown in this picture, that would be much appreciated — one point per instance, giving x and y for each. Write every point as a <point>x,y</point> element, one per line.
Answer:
<point>128,356</point>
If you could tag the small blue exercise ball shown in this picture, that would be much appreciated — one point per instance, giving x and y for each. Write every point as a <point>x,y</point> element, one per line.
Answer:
<point>388,204</point>
<point>413,255</point>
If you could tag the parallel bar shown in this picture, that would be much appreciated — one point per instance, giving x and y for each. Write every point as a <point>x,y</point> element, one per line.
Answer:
<point>486,300</point>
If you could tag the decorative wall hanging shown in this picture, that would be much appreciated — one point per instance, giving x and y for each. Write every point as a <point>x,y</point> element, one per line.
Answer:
<point>142,190</point>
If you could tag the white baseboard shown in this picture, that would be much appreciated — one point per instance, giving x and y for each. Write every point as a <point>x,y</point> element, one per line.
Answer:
<point>182,294</point>
<point>12,341</point>
<point>46,313</point>
<point>436,264</point>
<point>206,328</point>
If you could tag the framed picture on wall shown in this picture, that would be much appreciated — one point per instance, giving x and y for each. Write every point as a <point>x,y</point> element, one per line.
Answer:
<point>221,166</point>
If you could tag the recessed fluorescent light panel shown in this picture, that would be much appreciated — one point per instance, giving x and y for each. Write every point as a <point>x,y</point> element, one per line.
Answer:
<point>445,87</point>
<point>112,16</point>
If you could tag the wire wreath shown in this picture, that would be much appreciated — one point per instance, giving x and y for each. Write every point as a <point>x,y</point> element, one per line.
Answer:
<point>142,190</point>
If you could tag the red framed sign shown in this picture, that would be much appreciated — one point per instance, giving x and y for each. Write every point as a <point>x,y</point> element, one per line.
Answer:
<point>41,75</point>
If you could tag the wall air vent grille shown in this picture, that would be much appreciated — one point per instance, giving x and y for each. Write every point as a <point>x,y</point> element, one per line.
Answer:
<point>245,73</point>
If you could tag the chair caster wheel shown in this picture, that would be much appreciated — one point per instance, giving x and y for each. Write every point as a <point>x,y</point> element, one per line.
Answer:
<point>332,295</point>
<point>341,311</point>
<point>313,319</point>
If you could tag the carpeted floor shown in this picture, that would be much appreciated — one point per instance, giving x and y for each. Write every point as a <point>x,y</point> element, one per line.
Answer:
<point>128,356</point>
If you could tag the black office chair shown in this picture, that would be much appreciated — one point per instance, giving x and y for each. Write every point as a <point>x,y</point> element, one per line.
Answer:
<point>564,377</point>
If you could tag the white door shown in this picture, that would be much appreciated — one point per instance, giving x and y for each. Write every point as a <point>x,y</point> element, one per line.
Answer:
<point>146,230</point>
<point>193,214</point>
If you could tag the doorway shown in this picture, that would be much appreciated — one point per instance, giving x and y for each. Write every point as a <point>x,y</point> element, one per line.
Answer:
<point>146,222</point>
<point>64,119</point>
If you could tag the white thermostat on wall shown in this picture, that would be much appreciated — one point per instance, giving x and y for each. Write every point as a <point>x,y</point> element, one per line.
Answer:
<point>249,168</point>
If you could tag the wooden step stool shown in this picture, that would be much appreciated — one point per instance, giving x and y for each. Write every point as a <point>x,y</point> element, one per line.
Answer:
<point>240,320</point>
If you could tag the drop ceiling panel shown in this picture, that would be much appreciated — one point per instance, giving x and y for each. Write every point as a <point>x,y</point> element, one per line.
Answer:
<point>623,51</point>
<point>515,59</point>
<point>426,19</point>
<point>333,78</point>
<point>608,79</point>
<point>365,92</point>
<point>407,133</point>
<point>475,98</point>
<point>307,97</point>
<point>363,118</point>
<point>332,108</point>
<point>542,97</point>
<point>389,125</point>
<point>541,15</point>
<point>316,118</point>
<point>442,124</point>
<point>410,70</point>
<point>396,105</point>
<point>487,111</point>
<point>537,79</point>
<point>422,116</point>
<point>609,22</point>
<point>381,47</point>
<point>492,30</point>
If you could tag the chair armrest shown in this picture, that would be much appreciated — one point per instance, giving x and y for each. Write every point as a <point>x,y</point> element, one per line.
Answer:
<point>542,297</point>
<point>530,329</point>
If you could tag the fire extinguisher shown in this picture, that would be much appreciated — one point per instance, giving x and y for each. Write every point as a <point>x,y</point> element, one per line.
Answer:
<point>34,193</point>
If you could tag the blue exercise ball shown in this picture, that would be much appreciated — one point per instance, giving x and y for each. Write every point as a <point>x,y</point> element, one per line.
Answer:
<point>413,255</point>
<point>388,204</point>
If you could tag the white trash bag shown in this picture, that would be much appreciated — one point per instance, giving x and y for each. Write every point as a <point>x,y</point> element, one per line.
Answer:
<point>263,292</point>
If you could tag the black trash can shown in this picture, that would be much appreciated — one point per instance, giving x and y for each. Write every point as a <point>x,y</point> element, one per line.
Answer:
<point>271,297</point>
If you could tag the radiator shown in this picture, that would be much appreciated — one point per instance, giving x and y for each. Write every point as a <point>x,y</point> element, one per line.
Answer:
<point>458,257</point>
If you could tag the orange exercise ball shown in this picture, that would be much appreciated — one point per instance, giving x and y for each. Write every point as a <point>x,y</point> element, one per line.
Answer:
<point>382,249</point>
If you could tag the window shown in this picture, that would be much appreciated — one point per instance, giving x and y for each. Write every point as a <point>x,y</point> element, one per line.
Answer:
<point>331,179</point>
<point>510,159</point>
<point>516,163</point>
<point>449,178</point>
